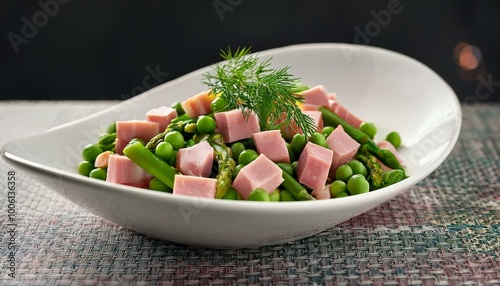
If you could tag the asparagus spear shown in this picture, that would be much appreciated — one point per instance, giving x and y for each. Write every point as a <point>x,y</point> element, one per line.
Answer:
<point>384,155</point>
<point>177,124</point>
<point>375,172</point>
<point>227,164</point>
<point>293,187</point>
<point>392,177</point>
<point>160,169</point>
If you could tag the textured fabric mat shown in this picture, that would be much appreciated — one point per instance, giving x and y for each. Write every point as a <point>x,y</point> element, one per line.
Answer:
<point>444,231</point>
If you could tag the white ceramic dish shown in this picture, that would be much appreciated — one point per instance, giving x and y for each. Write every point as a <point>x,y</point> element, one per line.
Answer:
<point>387,88</point>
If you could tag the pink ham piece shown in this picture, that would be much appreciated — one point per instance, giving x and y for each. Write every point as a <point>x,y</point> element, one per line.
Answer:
<point>260,173</point>
<point>234,126</point>
<point>161,115</point>
<point>322,194</point>
<point>316,117</point>
<point>122,170</point>
<point>198,104</point>
<point>343,146</point>
<point>314,166</point>
<point>271,144</point>
<point>343,113</point>
<point>317,95</point>
<point>194,186</point>
<point>288,130</point>
<point>196,160</point>
<point>128,130</point>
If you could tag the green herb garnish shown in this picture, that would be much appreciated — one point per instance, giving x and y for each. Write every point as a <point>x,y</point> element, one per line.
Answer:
<point>250,85</point>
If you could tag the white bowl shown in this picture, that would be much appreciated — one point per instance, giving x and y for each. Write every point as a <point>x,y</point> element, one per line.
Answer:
<point>394,91</point>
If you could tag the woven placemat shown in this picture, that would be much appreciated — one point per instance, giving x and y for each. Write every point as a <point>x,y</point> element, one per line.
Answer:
<point>444,231</point>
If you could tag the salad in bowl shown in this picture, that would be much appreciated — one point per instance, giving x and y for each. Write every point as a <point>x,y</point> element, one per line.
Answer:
<point>255,133</point>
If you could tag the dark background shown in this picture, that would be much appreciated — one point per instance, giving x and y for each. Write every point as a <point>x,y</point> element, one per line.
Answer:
<point>104,49</point>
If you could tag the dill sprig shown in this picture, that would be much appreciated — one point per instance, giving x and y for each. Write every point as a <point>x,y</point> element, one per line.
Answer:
<point>250,85</point>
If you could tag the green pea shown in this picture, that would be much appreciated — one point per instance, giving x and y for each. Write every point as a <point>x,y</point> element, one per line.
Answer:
<point>219,104</point>
<point>275,196</point>
<point>237,170</point>
<point>327,130</point>
<point>341,195</point>
<point>247,156</point>
<point>368,128</point>
<point>286,196</point>
<point>298,142</point>
<point>164,151</point>
<point>259,195</point>
<point>98,173</point>
<point>394,139</point>
<point>175,138</point>
<point>357,167</point>
<point>173,158</point>
<point>231,194</point>
<point>85,167</point>
<point>287,168</point>
<point>205,124</point>
<point>236,149</point>
<point>157,185</point>
<point>343,173</point>
<point>337,187</point>
<point>319,139</point>
<point>357,184</point>
<point>91,151</point>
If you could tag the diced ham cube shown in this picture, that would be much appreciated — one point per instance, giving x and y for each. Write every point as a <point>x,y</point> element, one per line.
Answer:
<point>234,126</point>
<point>271,144</point>
<point>322,194</point>
<point>161,115</point>
<point>128,130</point>
<point>343,113</point>
<point>198,104</point>
<point>317,95</point>
<point>288,130</point>
<point>122,170</point>
<point>120,145</point>
<point>316,117</point>
<point>343,146</point>
<point>314,166</point>
<point>260,173</point>
<point>196,160</point>
<point>194,186</point>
